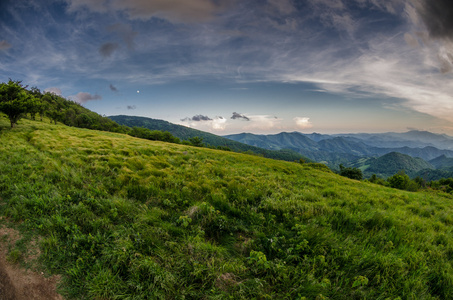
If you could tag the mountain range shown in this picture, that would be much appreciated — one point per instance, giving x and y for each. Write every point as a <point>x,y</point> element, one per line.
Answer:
<point>418,153</point>
<point>383,154</point>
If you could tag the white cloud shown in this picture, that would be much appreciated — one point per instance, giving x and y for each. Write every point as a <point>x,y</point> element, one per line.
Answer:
<point>205,123</point>
<point>262,122</point>
<point>303,122</point>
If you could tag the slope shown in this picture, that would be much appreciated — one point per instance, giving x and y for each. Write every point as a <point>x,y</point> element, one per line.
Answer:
<point>124,218</point>
<point>185,133</point>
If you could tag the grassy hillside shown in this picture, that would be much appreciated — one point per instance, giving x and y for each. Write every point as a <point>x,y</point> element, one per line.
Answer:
<point>185,133</point>
<point>125,218</point>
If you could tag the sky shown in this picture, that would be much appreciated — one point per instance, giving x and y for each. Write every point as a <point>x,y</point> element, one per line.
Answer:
<point>230,66</point>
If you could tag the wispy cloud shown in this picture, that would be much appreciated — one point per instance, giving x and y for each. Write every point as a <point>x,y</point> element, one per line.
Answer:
<point>172,10</point>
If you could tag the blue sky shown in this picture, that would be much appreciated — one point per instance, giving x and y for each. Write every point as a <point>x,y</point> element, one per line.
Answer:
<point>230,66</point>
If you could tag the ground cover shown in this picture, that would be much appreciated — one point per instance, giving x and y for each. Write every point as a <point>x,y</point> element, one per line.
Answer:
<point>125,218</point>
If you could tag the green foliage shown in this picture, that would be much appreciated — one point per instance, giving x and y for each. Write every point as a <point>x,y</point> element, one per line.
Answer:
<point>196,141</point>
<point>208,139</point>
<point>403,182</point>
<point>126,218</point>
<point>353,173</point>
<point>15,101</point>
<point>153,135</point>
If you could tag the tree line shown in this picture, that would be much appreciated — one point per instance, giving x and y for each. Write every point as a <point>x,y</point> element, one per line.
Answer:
<point>17,101</point>
<point>400,180</point>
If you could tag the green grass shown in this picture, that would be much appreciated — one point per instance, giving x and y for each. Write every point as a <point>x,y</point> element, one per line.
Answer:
<point>125,218</point>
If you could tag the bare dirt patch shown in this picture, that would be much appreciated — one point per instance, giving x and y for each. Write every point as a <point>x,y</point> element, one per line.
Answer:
<point>19,284</point>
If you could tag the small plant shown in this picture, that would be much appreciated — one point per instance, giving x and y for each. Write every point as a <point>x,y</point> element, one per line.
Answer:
<point>15,256</point>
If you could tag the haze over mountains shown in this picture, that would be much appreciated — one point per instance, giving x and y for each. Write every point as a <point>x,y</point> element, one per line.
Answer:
<point>416,152</point>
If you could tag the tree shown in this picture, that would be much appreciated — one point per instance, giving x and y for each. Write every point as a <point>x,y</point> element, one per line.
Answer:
<point>353,173</point>
<point>15,101</point>
<point>196,141</point>
<point>402,181</point>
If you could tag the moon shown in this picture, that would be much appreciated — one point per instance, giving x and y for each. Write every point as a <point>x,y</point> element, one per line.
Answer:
<point>138,92</point>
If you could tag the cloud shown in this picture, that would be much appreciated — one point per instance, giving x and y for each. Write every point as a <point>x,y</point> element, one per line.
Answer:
<point>437,16</point>
<point>4,45</point>
<point>283,6</point>
<point>85,97</point>
<point>263,122</point>
<point>131,107</point>
<point>179,11</point>
<point>173,10</point>
<point>107,49</point>
<point>113,88</point>
<point>198,118</point>
<point>205,123</point>
<point>93,5</point>
<point>239,116</point>
<point>303,122</point>
<point>53,90</point>
<point>125,32</point>
<point>411,40</point>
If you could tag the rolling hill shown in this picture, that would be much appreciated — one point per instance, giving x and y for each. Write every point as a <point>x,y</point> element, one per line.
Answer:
<point>126,218</point>
<point>351,149</point>
<point>121,218</point>
<point>391,163</point>
<point>185,133</point>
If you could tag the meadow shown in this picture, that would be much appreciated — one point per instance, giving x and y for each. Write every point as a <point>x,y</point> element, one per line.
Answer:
<point>125,218</point>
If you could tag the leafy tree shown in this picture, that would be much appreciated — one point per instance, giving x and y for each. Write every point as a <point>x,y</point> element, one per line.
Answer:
<point>15,101</point>
<point>353,173</point>
<point>402,181</point>
<point>196,141</point>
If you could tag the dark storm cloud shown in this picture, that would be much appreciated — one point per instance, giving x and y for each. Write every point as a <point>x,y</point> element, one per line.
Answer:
<point>201,118</point>
<point>107,49</point>
<point>113,88</point>
<point>197,118</point>
<point>131,107</point>
<point>438,17</point>
<point>239,116</point>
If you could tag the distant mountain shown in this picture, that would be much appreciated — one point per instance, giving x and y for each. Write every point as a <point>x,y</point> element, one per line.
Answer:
<point>442,162</point>
<point>344,145</point>
<point>185,133</point>
<point>348,148</point>
<point>391,163</point>
<point>284,140</point>
<point>412,139</point>
<point>427,153</point>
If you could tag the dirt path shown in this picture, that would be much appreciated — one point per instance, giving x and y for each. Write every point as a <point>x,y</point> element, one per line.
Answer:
<point>21,284</point>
